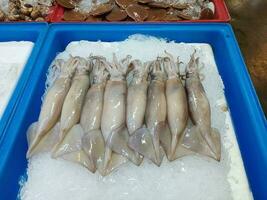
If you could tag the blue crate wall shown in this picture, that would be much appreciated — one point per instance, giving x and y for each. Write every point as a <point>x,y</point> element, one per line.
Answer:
<point>245,110</point>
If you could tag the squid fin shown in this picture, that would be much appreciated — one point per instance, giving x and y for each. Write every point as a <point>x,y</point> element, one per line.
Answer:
<point>181,151</point>
<point>46,143</point>
<point>118,142</point>
<point>79,157</point>
<point>195,142</point>
<point>31,133</point>
<point>71,142</point>
<point>33,137</point>
<point>142,142</point>
<point>174,146</point>
<point>116,161</point>
<point>160,131</point>
<point>93,145</point>
<point>165,138</point>
<point>110,162</point>
<point>215,135</point>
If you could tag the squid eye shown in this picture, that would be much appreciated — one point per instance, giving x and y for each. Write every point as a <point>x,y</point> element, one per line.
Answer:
<point>167,59</point>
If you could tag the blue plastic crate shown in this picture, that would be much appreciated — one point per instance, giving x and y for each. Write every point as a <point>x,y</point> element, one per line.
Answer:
<point>247,116</point>
<point>34,32</point>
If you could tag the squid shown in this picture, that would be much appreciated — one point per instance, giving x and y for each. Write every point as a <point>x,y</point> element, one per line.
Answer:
<point>113,122</point>
<point>52,104</point>
<point>201,138</point>
<point>177,108</point>
<point>93,143</point>
<point>146,140</point>
<point>137,96</point>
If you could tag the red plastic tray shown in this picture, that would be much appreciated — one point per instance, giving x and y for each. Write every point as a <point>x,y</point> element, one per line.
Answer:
<point>221,14</point>
<point>56,14</point>
<point>52,11</point>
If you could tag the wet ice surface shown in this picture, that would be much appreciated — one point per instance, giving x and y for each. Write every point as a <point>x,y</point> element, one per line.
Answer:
<point>189,178</point>
<point>13,57</point>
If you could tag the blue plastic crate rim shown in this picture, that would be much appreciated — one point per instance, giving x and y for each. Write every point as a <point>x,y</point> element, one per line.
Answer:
<point>34,32</point>
<point>247,115</point>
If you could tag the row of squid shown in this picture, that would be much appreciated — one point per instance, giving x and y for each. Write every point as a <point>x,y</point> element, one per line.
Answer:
<point>102,114</point>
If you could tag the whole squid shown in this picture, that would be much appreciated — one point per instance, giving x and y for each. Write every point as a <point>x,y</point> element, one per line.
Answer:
<point>93,142</point>
<point>137,96</point>
<point>71,110</point>
<point>146,141</point>
<point>113,122</point>
<point>177,108</point>
<point>201,138</point>
<point>52,104</point>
